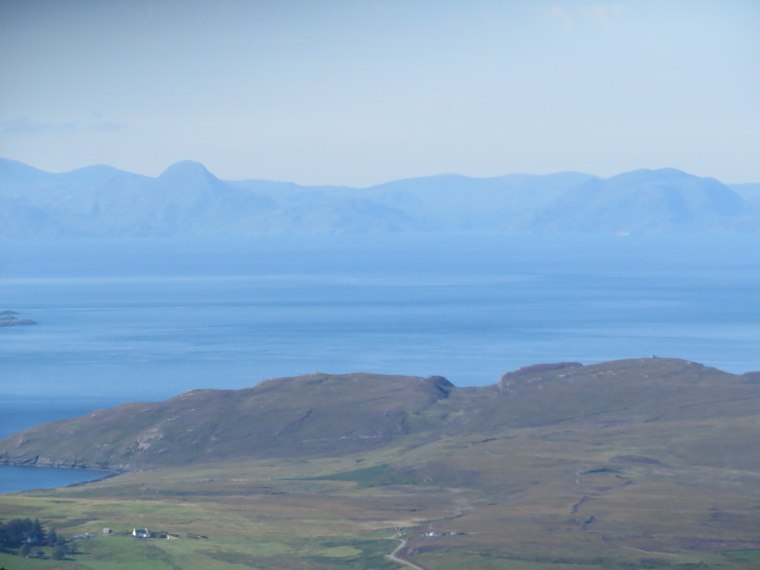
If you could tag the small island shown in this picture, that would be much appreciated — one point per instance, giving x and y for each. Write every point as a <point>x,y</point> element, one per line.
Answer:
<point>8,318</point>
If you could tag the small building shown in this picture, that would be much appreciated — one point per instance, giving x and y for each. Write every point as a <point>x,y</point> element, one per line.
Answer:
<point>107,531</point>
<point>141,533</point>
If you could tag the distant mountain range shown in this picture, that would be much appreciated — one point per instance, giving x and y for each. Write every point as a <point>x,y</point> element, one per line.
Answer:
<point>186,199</point>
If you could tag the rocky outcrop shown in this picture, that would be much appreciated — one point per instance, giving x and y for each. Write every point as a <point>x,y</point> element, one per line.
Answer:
<point>61,463</point>
<point>9,319</point>
<point>532,373</point>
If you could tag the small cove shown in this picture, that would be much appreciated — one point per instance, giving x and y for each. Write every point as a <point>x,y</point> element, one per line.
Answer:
<point>14,478</point>
<point>18,414</point>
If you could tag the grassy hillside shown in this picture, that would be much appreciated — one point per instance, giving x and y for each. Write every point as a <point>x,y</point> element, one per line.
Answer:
<point>309,415</point>
<point>645,463</point>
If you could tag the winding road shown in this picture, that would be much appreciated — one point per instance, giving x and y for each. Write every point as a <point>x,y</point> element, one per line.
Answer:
<point>393,555</point>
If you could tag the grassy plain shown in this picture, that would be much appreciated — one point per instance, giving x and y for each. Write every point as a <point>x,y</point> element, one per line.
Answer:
<point>539,500</point>
<point>254,515</point>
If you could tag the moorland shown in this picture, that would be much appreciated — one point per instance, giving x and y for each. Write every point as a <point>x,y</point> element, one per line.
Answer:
<point>640,463</point>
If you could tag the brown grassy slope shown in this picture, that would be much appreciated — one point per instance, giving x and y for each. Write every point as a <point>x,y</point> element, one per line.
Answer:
<point>314,414</point>
<point>329,415</point>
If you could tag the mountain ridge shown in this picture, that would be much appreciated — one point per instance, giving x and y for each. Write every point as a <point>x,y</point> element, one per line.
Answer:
<point>187,199</point>
<point>326,414</point>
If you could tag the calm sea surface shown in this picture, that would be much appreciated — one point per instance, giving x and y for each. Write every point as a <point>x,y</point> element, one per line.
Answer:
<point>146,319</point>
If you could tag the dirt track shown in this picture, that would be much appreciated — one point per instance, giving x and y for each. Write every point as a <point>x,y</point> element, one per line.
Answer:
<point>393,556</point>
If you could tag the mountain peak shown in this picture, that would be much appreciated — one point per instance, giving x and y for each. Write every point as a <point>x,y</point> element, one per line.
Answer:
<point>658,174</point>
<point>185,168</point>
<point>642,201</point>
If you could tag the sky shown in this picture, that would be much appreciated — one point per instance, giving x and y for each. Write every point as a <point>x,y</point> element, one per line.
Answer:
<point>360,92</point>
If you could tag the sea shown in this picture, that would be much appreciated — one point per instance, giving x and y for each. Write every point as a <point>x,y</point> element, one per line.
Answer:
<point>124,320</point>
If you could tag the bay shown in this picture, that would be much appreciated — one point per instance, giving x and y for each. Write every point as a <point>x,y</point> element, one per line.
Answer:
<point>18,413</point>
<point>146,319</point>
<point>13,478</point>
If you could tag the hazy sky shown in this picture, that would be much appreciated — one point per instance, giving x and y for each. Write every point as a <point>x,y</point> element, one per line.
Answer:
<point>359,92</point>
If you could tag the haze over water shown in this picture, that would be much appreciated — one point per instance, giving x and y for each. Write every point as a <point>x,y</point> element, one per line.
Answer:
<point>148,319</point>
